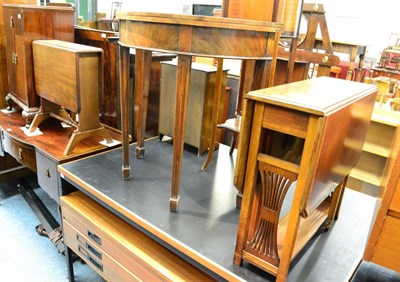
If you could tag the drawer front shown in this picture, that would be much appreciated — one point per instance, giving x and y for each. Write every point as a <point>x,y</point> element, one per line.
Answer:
<point>48,177</point>
<point>99,260</point>
<point>23,153</point>
<point>93,236</point>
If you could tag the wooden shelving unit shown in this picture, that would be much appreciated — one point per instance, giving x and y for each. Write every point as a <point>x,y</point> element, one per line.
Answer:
<point>383,246</point>
<point>367,175</point>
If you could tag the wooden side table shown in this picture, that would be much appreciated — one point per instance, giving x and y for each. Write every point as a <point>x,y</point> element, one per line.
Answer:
<point>328,119</point>
<point>186,36</point>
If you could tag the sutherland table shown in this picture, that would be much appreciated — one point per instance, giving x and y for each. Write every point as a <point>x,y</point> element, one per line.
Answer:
<point>186,36</point>
<point>327,119</point>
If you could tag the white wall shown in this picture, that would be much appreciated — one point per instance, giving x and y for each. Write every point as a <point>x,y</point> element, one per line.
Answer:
<point>363,21</point>
<point>159,6</point>
<point>357,21</point>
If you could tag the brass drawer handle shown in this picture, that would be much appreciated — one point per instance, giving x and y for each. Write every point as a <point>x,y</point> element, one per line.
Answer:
<point>11,21</point>
<point>20,157</point>
<point>14,58</point>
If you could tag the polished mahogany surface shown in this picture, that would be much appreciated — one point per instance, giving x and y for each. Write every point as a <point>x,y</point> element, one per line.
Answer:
<point>187,36</point>
<point>205,35</point>
<point>54,138</point>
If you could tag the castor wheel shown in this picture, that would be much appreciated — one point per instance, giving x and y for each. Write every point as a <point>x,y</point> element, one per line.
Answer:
<point>41,231</point>
<point>327,225</point>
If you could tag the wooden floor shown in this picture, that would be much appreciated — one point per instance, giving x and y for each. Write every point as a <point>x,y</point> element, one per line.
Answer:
<point>205,226</point>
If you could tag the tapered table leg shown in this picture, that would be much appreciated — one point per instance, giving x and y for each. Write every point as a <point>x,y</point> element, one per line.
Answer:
<point>124,99</point>
<point>182,92</point>
<point>217,95</point>
<point>142,82</point>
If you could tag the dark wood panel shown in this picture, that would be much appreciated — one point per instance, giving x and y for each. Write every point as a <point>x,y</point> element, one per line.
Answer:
<point>109,101</point>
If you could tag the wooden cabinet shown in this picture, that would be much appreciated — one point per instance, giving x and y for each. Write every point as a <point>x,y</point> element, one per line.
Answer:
<point>200,104</point>
<point>383,245</point>
<point>109,108</point>
<point>3,64</point>
<point>115,249</point>
<point>367,175</point>
<point>23,24</point>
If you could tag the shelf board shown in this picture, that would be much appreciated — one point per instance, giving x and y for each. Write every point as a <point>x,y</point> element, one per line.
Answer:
<point>376,149</point>
<point>307,228</point>
<point>366,176</point>
<point>385,116</point>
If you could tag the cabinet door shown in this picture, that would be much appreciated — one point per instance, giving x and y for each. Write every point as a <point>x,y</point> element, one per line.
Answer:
<point>21,79</point>
<point>12,26</point>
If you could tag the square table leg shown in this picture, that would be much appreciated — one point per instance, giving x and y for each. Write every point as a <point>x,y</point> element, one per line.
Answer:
<point>142,82</point>
<point>182,92</point>
<point>124,100</point>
